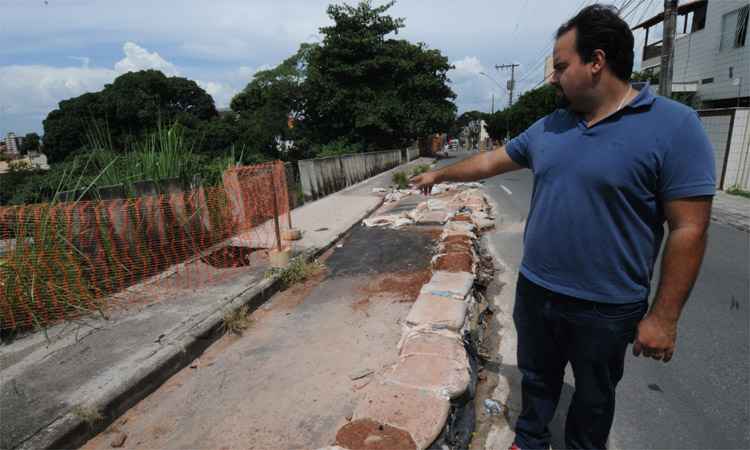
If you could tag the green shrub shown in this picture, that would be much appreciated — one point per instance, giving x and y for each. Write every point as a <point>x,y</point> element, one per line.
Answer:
<point>401,180</point>
<point>297,271</point>
<point>337,148</point>
<point>420,169</point>
<point>734,190</point>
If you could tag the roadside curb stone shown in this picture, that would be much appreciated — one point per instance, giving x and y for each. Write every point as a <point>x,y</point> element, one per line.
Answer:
<point>444,376</point>
<point>436,312</point>
<point>433,343</point>
<point>419,412</point>
<point>456,285</point>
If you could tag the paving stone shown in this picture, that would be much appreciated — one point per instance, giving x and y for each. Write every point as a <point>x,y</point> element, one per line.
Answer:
<point>448,233</point>
<point>446,344</point>
<point>437,312</point>
<point>444,376</point>
<point>460,226</point>
<point>420,413</point>
<point>455,285</point>
<point>432,217</point>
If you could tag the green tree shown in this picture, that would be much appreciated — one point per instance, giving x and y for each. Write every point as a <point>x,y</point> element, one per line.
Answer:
<point>365,88</point>
<point>463,120</point>
<point>271,104</point>
<point>31,143</point>
<point>133,104</point>
<point>645,75</point>
<point>530,107</point>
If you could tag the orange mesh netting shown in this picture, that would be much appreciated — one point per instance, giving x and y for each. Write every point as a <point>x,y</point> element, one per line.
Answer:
<point>59,260</point>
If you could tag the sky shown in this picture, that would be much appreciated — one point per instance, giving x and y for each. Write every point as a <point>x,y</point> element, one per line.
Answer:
<point>57,49</point>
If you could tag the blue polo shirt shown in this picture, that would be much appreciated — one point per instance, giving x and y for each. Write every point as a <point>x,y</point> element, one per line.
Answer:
<point>595,225</point>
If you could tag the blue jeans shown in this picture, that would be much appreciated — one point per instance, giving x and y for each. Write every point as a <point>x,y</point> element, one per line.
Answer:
<point>554,329</point>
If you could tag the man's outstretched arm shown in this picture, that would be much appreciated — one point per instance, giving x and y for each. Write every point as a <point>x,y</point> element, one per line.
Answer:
<point>483,165</point>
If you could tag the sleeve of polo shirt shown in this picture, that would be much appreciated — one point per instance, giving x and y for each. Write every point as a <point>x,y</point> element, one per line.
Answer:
<point>688,168</point>
<point>518,148</point>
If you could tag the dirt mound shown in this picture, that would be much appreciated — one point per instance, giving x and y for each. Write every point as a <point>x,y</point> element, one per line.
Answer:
<point>366,434</point>
<point>454,262</point>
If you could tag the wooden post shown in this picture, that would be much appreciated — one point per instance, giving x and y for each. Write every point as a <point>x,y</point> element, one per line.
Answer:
<point>275,213</point>
<point>288,197</point>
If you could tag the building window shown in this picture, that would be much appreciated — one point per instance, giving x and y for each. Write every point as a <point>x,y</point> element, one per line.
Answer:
<point>707,80</point>
<point>699,18</point>
<point>734,28</point>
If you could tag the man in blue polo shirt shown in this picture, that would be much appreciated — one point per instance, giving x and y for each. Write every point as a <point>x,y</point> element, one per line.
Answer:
<point>609,169</point>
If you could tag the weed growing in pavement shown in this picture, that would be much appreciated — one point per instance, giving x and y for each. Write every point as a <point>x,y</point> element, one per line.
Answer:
<point>420,169</point>
<point>401,180</point>
<point>297,271</point>
<point>734,190</point>
<point>87,413</point>
<point>236,321</point>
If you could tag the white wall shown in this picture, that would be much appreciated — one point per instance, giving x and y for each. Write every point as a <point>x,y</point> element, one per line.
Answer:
<point>697,56</point>
<point>738,162</point>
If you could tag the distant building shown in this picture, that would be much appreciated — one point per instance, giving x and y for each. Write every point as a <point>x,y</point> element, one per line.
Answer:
<point>13,145</point>
<point>549,67</point>
<point>711,55</point>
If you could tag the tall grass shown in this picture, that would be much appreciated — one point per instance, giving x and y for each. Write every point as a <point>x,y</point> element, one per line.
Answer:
<point>43,274</point>
<point>163,154</point>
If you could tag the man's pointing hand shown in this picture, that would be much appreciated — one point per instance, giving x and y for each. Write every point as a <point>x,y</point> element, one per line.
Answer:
<point>424,182</point>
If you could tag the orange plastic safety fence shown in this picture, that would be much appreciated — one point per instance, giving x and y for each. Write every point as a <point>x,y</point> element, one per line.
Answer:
<point>61,260</point>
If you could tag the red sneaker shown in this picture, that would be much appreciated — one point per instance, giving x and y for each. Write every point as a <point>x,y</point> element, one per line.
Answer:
<point>514,447</point>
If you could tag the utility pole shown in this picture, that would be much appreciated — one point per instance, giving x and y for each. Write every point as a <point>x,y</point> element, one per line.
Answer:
<point>667,49</point>
<point>492,107</point>
<point>512,81</point>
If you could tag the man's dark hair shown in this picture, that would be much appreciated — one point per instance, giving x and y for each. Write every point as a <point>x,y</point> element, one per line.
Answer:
<point>599,27</point>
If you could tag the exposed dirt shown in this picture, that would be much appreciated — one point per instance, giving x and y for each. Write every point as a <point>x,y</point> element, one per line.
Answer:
<point>462,218</point>
<point>231,256</point>
<point>405,286</point>
<point>457,239</point>
<point>366,434</point>
<point>433,232</point>
<point>454,262</point>
<point>456,247</point>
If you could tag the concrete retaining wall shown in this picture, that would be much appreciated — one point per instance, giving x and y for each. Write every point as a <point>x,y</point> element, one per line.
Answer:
<point>323,176</point>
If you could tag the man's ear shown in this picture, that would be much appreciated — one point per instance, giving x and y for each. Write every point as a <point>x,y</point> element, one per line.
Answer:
<point>598,59</point>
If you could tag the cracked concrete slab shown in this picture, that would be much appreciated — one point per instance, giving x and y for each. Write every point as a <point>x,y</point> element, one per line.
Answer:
<point>419,412</point>
<point>436,312</point>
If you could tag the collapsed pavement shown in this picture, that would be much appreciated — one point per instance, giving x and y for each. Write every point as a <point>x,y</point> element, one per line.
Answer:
<point>425,400</point>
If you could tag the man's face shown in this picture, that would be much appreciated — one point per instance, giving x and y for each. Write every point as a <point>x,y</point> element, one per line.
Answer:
<point>571,76</point>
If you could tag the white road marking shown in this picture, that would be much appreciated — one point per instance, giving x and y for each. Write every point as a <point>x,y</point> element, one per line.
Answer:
<point>507,191</point>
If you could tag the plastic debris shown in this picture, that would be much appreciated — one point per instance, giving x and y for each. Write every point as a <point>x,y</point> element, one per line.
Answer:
<point>492,407</point>
<point>379,190</point>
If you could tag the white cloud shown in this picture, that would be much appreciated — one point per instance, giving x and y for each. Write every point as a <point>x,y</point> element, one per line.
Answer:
<point>473,89</point>
<point>138,58</point>
<point>468,65</point>
<point>29,92</point>
<point>221,92</point>
<point>37,89</point>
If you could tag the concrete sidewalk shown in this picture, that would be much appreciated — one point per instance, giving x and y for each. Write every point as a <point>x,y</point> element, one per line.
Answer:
<point>733,210</point>
<point>58,390</point>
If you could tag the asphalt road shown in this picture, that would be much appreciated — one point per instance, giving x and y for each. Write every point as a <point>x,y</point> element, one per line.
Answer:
<point>701,399</point>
